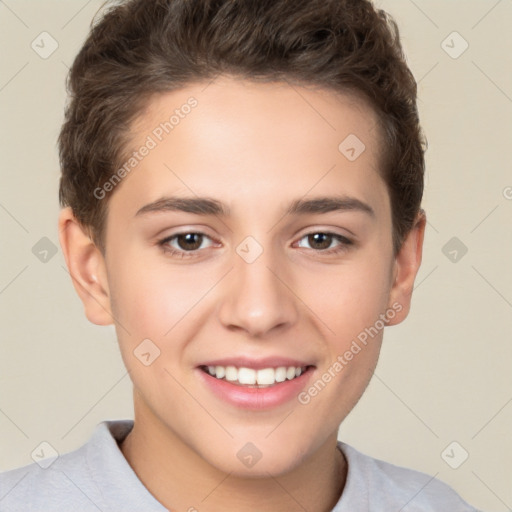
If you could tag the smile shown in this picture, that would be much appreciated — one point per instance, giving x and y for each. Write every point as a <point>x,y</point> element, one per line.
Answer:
<point>261,378</point>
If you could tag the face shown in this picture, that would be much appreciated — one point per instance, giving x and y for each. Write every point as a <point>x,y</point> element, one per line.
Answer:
<point>277,279</point>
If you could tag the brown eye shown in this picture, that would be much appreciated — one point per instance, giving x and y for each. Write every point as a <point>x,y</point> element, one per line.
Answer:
<point>189,241</point>
<point>321,242</point>
<point>184,245</point>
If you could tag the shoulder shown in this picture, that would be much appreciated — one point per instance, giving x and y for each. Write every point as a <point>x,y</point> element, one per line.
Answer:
<point>380,485</point>
<point>78,480</point>
<point>94,477</point>
<point>64,483</point>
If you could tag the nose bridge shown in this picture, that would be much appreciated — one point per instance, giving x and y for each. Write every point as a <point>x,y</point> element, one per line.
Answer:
<point>256,299</point>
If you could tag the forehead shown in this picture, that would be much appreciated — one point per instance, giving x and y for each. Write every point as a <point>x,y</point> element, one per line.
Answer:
<point>262,109</point>
<point>247,139</point>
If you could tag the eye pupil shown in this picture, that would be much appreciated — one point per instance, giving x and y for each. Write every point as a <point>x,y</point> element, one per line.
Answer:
<point>191,242</point>
<point>323,237</point>
<point>189,239</point>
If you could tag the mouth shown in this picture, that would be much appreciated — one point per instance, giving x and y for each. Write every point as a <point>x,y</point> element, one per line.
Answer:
<point>257,384</point>
<point>255,378</point>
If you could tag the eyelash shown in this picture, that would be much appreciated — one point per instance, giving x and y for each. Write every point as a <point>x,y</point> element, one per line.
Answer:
<point>345,243</point>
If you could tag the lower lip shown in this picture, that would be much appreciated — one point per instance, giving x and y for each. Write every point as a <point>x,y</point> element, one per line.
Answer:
<point>256,398</point>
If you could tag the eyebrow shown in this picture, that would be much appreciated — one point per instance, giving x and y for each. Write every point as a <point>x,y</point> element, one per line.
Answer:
<point>208,206</point>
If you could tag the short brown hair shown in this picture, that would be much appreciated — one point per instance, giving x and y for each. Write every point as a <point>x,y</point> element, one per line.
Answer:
<point>142,47</point>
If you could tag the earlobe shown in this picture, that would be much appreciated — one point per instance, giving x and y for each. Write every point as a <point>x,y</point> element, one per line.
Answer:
<point>406,266</point>
<point>86,266</point>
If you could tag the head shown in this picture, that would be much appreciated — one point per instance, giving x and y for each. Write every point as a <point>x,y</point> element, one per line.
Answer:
<point>297,122</point>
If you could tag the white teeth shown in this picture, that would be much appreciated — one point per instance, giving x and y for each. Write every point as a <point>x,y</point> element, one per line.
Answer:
<point>251,377</point>
<point>246,376</point>
<point>266,376</point>
<point>290,372</point>
<point>231,373</point>
<point>280,374</point>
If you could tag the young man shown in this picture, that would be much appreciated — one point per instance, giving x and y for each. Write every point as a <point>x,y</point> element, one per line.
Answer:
<point>241,184</point>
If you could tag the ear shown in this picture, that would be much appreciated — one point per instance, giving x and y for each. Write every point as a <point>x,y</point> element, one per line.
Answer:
<point>87,268</point>
<point>406,266</point>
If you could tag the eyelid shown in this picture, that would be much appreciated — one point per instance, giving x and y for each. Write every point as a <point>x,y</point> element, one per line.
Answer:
<point>328,230</point>
<point>344,242</point>
<point>163,241</point>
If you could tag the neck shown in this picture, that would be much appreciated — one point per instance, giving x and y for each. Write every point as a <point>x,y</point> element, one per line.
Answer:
<point>185,481</point>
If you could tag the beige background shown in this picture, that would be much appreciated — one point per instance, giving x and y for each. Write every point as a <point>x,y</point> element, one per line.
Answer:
<point>444,375</point>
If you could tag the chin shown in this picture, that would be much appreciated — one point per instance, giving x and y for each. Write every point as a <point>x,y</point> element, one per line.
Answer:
<point>246,460</point>
<point>263,468</point>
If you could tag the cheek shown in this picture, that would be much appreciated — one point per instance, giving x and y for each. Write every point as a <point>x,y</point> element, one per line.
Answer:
<point>160,302</point>
<point>147,297</point>
<point>347,300</point>
<point>349,303</point>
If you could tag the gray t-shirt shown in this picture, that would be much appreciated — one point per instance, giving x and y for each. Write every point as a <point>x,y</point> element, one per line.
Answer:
<point>97,477</point>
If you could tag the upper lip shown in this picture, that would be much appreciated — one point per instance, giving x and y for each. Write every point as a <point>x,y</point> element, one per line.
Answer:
<point>256,364</point>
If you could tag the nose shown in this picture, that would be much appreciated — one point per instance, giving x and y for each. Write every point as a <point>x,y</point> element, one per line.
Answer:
<point>257,297</point>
